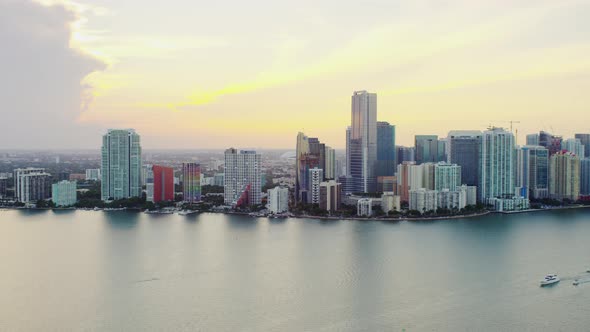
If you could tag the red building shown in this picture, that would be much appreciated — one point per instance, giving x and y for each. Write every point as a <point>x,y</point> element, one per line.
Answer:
<point>163,183</point>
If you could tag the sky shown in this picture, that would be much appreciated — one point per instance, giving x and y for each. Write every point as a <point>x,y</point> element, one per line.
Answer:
<point>192,74</point>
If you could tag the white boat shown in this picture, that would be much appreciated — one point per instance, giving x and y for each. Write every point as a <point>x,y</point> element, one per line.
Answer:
<point>576,282</point>
<point>186,212</point>
<point>549,280</point>
<point>588,270</point>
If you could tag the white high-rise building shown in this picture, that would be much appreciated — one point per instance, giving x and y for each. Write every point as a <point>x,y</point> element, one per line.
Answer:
<point>278,200</point>
<point>362,142</point>
<point>316,176</point>
<point>121,171</point>
<point>423,200</point>
<point>93,174</point>
<point>63,193</point>
<point>497,164</point>
<point>574,145</point>
<point>242,183</point>
<point>31,184</point>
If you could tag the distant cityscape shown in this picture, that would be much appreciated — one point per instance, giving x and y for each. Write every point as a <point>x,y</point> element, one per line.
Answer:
<point>466,172</point>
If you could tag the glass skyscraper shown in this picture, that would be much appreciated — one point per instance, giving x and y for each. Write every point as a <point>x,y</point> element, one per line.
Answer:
<point>532,171</point>
<point>362,143</point>
<point>427,149</point>
<point>464,150</point>
<point>386,162</point>
<point>121,164</point>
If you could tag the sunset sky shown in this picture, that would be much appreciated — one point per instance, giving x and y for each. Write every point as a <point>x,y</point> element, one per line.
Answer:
<point>213,74</point>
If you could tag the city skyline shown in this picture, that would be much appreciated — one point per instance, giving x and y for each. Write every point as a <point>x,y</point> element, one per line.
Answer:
<point>456,65</point>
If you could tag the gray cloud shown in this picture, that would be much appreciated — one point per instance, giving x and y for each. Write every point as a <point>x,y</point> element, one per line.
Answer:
<point>41,95</point>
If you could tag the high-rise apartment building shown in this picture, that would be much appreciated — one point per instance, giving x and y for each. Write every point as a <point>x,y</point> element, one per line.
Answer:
<point>310,154</point>
<point>3,186</point>
<point>160,184</point>
<point>191,182</point>
<point>532,171</point>
<point>121,164</point>
<point>464,147</point>
<point>330,195</point>
<point>278,200</point>
<point>496,164</point>
<point>564,176</point>
<point>362,143</point>
<point>63,193</point>
<point>447,176</point>
<point>93,174</point>
<point>330,168</point>
<point>585,140</point>
<point>574,145</point>
<point>403,179</point>
<point>316,177</point>
<point>242,183</point>
<point>31,184</point>
<point>386,161</point>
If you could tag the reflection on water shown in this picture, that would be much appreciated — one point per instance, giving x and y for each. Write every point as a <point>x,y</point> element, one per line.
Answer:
<point>119,270</point>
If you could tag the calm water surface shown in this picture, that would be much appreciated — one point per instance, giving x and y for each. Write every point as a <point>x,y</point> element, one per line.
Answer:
<point>85,270</point>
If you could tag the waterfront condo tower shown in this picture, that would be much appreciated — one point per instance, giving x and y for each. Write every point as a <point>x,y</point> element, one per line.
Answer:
<point>121,164</point>
<point>242,183</point>
<point>191,182</point>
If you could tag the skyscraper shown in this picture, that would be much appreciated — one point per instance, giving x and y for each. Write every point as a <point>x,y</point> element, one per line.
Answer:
<point>496,165</point>
<point>532,171</point>
<point>585,177</point>
<point>464,148</point>
<point>585,139</point>
<point>31,184</point>
<point>574,145</point>
<point>362,142</point>
<point>564,176</point>
<point>403,180</point>
<point>551,142</point>
<point>404,153</point>
<point>160,184</point>
<point>330,168</point>
<point>386,161</point>
<point>426,149</point>
<point>191,182</point>
<point>121,164</point>
<point>242,183</point>
<point>532,139</point>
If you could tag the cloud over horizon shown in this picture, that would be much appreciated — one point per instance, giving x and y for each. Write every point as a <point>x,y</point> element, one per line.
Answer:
<point>42,92</point>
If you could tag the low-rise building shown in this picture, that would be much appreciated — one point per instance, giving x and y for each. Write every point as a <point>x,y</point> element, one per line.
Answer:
<point>63,193</point>
<point>509,204</point>
<point>423,200</point>
<point>364,207</point>
<point>390,202</point>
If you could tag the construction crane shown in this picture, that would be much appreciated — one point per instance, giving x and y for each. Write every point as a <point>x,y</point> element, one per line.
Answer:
<point>511,124</point>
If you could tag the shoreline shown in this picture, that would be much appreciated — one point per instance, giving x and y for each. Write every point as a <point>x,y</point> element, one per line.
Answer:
<point>333,218</point>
